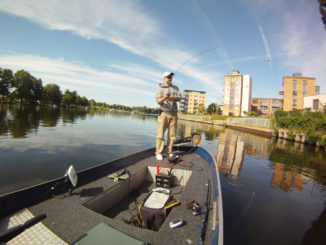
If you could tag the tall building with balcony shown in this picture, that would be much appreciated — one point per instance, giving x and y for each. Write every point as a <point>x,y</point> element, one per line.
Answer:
<point>296,87</point>
<point>191,100</point>
<point>266,106</point>
<point>237,94</point>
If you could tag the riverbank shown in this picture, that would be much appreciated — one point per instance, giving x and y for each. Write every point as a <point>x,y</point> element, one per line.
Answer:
<point>258,126</point>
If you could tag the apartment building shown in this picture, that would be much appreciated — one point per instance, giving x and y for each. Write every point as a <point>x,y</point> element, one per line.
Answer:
<point>191,100</point>
<point>266,106</point>
<point>237,94</point>
<point>296,87</point>
<point>315,102</point>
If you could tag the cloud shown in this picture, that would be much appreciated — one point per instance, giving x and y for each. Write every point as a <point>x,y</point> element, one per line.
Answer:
<point>220,49</point>
<point>123,23</point>
<point>264,8</point>
<point>115,21</point>
<point>76,75</point>
<point>303,40</point>
<point>126,24</point>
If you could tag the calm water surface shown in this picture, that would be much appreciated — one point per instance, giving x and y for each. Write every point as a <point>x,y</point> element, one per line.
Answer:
<point>273,192</point>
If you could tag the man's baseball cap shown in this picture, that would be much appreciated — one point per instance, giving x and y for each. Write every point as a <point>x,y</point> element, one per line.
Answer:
<point>167,73</point>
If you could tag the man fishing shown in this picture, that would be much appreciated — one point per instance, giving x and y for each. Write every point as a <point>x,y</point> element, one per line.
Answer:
<point>166,96</point>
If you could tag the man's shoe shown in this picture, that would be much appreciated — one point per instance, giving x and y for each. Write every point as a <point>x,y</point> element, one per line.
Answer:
<point>159,157</point>
<point>171,155</point>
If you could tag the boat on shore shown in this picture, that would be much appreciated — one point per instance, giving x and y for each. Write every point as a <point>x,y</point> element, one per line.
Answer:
<point>132,200</point>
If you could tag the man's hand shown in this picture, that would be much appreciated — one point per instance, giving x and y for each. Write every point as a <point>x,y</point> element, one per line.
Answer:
<point>171,98</point>
<point>161,100</point>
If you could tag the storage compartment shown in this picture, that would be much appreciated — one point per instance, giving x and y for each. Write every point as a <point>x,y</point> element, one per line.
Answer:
<point>122,200</point>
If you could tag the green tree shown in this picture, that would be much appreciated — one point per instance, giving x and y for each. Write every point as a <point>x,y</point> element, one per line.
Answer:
<point>322,9</point>
<point>84,101</point>
<point>37,90</point>
<point>211,109</point>
<point>219,111</point>
<point>201,108</point>
<point>6,78</point>
<point>92,102</point>
<point>26,87</point>
<point>52,94</point>
<point>69,98</point>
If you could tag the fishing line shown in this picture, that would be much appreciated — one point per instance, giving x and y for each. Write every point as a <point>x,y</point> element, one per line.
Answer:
<point>192,57</point>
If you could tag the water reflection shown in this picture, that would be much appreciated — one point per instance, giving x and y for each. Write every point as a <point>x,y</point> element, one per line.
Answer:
<point>233,146</point>
<point>262,180</point>
<point>207,132</point>
<point>285,178</point>
<point>292,163</point>
<point>276,181</point>
<point>316,233</point>
<point>20,120</point>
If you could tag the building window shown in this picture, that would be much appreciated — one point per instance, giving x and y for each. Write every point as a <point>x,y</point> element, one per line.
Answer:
<point>305,86</point>
<point>304,93</point>
<point>232,85</point>
<point>255,101</point>
<point>294,85</point>
<point>263,109</point>
<point>232,92</point>
<point>315,104</point>
<point>231,107</point>
<point>294,102</point>
<point>294,94</point>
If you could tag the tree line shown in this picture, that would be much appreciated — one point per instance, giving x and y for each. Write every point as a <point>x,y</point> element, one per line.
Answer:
<point>24,88</point>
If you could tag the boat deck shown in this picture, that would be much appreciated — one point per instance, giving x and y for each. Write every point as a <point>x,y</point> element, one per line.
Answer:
<point>69,218</point>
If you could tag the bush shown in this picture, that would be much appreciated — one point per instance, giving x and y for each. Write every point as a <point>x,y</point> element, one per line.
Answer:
<point>312,137</point>
<point>322,142</point>
<point>301,121</point>
<point>279,114</point>
<point>304,122</point>
<point>291,136</point>
<point>283,122</point>
<point>320,124</point>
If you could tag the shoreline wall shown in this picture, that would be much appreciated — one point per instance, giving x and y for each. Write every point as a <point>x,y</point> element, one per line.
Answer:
<point>258,126</point>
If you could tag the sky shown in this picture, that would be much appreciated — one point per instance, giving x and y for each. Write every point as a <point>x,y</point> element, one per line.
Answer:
<point>116,51</point>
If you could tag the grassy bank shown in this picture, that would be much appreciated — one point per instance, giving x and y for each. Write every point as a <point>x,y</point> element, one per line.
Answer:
<point>313,124</point>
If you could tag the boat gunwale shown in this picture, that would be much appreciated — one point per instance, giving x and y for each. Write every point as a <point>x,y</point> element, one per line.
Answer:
<point>12,202</point>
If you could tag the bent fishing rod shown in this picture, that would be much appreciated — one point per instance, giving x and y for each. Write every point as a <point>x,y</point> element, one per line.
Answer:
<point>192,57</point>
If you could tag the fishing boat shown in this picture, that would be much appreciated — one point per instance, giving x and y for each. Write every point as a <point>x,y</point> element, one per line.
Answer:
<point>132,200</point>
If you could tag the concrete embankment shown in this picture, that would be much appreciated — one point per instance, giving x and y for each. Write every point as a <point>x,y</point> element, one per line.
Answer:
<point>259,126</point>
<point>201,119</point>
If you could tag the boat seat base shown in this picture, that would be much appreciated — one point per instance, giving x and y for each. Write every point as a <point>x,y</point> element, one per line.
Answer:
<point>104,234</point>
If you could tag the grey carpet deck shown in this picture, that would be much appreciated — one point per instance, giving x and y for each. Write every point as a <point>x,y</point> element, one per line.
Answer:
<point>69,219</point>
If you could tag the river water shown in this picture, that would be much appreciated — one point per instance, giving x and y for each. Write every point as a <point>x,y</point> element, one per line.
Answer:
<point>273,191</point>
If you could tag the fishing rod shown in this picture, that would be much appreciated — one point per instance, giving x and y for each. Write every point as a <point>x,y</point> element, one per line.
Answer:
<point>204,215</point>
<point>192,57</point>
